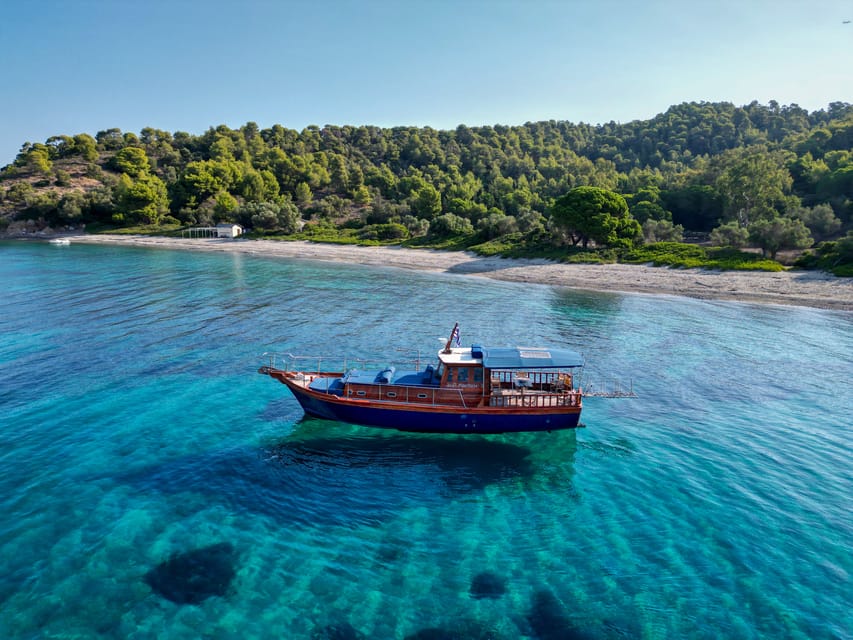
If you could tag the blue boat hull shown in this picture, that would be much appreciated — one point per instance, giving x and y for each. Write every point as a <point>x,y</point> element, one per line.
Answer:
<point>431,419</point>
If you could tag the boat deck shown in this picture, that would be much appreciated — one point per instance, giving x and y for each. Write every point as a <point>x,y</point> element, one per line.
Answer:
<point>432,395</point>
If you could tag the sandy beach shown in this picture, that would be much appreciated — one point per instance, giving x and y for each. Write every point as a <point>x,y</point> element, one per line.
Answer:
<point>801,288</point>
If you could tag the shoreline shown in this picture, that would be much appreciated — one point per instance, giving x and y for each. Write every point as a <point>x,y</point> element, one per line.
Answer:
<point>815,289</point>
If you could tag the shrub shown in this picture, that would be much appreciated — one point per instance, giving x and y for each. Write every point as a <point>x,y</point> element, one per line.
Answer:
<point>667,253</point>
<point>730,234</point>
<point>835,257</point>
<point>691,256</point>
<point>504,246</point>
<point>600,256</point>
<point>496,225</point>
<point>728,259</point>
<point>415,226</point>
<point>384,232</point>
<point>63,178</point>
<point>662,231</point>
<point>450,225</point>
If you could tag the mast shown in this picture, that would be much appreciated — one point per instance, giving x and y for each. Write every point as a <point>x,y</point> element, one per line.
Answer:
<point>450,339</point>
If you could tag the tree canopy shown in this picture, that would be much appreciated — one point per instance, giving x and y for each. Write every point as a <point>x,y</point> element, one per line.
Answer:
<point>695,167</point>
<point>593,213</point>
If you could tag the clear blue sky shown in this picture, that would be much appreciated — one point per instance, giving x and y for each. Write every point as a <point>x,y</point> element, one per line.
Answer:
<point>79,66</point>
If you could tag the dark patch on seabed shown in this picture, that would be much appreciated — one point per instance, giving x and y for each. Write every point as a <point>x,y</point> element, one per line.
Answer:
<point>386,473</point>
<point>194,576</point>
<point>461,464</point>
<point>488,585</point>
<point>549,621</point>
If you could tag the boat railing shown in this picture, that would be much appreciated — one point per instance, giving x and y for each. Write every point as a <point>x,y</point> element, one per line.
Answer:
<point>315,364</point>
<point>536,399</point>
<point>533,378</point>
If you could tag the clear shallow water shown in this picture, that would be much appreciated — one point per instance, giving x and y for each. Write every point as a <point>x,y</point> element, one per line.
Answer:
<point>133,427</point>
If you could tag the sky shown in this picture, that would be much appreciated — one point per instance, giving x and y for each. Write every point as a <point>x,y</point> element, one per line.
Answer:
<point>82,66</point>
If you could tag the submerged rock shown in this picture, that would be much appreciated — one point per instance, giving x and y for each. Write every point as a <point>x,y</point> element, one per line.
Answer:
<point>193,576</point>
<point>340,631</point>
<point>432,633</point>
<point>549,621</point>
<point>457,630</point>
<point>487,585</point>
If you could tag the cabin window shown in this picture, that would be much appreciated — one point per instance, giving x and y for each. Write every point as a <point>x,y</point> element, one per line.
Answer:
<point>478,375</point>
<point>392,394</point>
<point>361,393</point>
<point>462,375</point>
<point>422,395</point>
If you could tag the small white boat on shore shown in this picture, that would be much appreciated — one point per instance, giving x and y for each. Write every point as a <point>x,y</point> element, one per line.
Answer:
<point>63,242</point>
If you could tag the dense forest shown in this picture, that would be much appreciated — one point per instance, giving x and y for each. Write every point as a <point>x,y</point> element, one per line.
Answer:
<point>765,176</point>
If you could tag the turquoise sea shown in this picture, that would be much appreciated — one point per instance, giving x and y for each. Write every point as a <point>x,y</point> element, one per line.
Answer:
<point>153,485</point>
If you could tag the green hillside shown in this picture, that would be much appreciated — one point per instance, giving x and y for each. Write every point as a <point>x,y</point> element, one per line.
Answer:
<point>770,177</point>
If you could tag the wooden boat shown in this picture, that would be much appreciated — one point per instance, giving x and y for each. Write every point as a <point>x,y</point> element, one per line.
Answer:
<point>473,389</point>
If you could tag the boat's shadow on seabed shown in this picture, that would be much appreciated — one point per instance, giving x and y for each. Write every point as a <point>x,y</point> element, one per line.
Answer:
<point>318,477</point>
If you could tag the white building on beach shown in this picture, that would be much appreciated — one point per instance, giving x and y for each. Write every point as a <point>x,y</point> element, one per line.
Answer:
<point>228,230</point>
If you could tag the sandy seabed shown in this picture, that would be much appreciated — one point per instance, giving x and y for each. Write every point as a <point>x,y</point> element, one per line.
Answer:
<point>792,287</point>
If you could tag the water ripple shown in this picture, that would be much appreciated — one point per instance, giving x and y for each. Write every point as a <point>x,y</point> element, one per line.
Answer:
<point>134,428</point>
